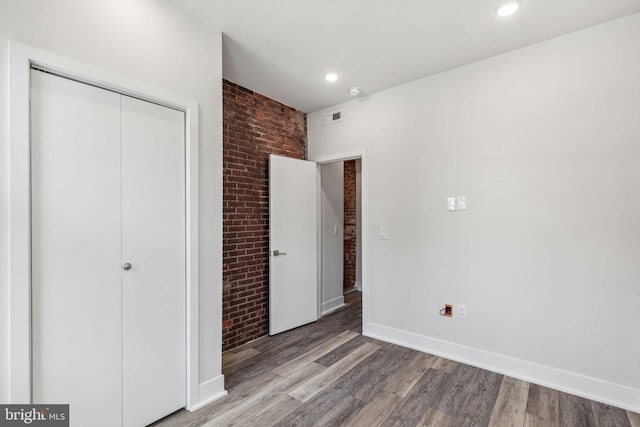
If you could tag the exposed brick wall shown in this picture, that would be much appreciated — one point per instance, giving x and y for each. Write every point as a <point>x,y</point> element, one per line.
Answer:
<point>254,126</point>
<point>349,224</point>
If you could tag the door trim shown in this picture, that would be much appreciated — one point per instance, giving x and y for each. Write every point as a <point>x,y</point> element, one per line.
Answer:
<point>21,58</point>
<point>340,157</point>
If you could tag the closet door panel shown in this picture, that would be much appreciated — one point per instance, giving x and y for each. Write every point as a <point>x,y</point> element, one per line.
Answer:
<point>76,300</point>
<point>153,230</point>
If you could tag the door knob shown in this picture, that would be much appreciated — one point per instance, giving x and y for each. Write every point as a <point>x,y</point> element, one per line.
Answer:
<point>278,253</point>
<point>126,266</point>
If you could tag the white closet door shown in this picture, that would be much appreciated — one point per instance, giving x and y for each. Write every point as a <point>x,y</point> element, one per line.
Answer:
<point>76,301</point>
<point>108,188</point>
<point>153,242</point>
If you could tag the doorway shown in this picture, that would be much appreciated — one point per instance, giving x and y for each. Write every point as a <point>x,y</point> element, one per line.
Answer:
<point>340,236</point>
<point>324,279</point>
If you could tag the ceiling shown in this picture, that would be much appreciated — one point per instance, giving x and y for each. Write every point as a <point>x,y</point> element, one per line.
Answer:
<point>283,48</point>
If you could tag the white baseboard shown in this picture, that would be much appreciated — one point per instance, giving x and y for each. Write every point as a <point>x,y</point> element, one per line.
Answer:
<point>210,391</point>
<point>358,286</point>
<point>591,388</point>
<point>333,305</point>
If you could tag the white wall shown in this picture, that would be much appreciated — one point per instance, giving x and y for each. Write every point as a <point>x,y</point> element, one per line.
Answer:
<point>158,43</point>
<point>332,200</point>
<point>4,225</point>
<point>544,143</point>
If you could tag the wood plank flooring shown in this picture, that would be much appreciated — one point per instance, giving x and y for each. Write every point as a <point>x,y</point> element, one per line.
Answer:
<point>328,374</point>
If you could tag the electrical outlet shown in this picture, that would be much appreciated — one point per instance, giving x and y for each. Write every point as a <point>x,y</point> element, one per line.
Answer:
<point>461,310</point>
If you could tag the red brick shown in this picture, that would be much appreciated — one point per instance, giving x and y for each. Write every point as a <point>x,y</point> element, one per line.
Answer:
<point>254,126</point>
<point>349,224</point>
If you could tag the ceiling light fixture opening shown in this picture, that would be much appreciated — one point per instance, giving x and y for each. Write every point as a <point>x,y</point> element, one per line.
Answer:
<point>508,9</point>
<point>331,77</point>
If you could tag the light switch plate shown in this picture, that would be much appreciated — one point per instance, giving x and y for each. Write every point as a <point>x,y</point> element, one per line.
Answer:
<point>451,203</point>
<point>462,203</point>
<point>383,233</point>
<point>461,310</point>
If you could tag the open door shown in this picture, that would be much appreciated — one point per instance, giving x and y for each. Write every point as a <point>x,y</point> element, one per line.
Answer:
<point>293,244</point>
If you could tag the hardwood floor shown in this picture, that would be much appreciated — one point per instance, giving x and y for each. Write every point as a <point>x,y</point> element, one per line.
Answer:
<point>327,374</point>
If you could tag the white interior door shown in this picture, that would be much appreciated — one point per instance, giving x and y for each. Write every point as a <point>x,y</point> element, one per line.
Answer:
<point>76,298</point>
<point>108,188</point>
<point>153,243</point>
<point>293,243</point>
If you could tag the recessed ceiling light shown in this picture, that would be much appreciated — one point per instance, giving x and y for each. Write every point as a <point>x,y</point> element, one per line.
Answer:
<point>331,77</point>
<point>508,9</point>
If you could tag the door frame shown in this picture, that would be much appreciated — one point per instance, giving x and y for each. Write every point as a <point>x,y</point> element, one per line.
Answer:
<point>21,58</point>
<point>360,154</point>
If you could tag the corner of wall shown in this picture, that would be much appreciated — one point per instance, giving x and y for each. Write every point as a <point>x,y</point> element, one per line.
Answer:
<point>332,234</point>
<point>209,391</point>
<point>4,223</point>
<point>333,305</point>
<point>245,288</point>
<point>210,316</point>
